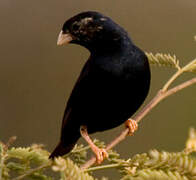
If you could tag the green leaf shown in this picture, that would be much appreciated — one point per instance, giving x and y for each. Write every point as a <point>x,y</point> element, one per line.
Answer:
<point>14,166</point>
<point>148,174</point>
<point>40,176</point>
<point>37,156</point>
<point>1,149</point>
<point>163,60</point>
<point>69,170</point>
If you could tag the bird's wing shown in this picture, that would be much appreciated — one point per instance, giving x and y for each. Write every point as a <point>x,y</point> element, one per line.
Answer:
<point>79,88</point>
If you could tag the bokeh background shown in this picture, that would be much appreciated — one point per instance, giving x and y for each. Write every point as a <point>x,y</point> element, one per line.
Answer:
<point>36,76</point>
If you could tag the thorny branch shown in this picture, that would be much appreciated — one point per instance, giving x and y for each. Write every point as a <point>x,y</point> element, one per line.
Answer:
<point>162,94</point>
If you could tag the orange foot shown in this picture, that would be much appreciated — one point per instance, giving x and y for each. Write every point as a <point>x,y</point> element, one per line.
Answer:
<point>101,154</point>
<point>132,125</point>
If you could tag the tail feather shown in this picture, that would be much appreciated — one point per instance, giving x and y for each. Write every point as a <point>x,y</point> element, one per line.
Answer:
<point>65,146</point>
<point>69,135</point>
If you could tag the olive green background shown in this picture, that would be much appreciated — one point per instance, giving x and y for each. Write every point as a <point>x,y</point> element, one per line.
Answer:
<point>36,76</point>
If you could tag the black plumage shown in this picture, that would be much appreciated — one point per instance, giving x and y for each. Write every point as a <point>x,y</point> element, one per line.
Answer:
<point>113,83</point>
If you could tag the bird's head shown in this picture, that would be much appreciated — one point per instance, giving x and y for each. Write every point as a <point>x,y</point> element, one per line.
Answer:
<point>93,31</point>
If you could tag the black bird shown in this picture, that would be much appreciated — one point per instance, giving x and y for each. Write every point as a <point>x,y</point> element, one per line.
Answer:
<point>112,85</point>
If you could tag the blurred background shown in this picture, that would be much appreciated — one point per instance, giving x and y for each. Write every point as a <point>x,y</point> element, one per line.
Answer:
<point>36,76</point>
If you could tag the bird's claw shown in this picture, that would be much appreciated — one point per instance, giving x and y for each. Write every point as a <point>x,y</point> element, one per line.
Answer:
<point>101,154</point>
<point>132,125</point>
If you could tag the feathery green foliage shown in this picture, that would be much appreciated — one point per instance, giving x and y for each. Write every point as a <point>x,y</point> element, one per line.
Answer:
<point>168,60</point>
<point>157,164</point>
<point>163,60</point>
<point>148,174</point>
<point>69,170</point>
<point>32,162</point>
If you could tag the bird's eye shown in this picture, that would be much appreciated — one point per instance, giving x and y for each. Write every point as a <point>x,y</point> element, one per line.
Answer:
<point>75,27</point>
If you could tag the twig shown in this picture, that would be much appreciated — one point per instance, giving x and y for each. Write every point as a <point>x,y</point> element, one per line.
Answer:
<point>177,74</point>
<point>158,98</point>
<point>102,167</point>
<point>30,172</point>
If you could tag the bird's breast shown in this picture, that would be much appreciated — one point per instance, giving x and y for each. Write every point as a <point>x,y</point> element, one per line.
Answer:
<point>113,96</point>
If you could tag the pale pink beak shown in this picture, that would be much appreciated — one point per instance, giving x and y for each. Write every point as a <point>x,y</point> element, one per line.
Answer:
<point>63,38</point>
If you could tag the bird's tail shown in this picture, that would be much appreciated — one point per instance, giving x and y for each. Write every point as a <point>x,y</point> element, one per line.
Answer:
<point>63,148</point>
<point>69,135</point>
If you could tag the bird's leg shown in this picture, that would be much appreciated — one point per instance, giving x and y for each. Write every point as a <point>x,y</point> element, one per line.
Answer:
<point>100,153</point>
<point>132,125</point>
